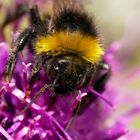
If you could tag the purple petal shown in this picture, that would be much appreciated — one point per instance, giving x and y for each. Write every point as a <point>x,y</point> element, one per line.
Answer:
<point>4,132</point>
<point>4,50</point>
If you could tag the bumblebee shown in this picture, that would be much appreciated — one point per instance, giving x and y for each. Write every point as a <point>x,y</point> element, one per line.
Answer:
<point>67,45</point>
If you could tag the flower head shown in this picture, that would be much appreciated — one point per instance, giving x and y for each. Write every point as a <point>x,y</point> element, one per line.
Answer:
<point>45,117</point>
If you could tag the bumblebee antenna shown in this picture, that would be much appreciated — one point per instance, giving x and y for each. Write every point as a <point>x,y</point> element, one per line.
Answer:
<point>36,96</point>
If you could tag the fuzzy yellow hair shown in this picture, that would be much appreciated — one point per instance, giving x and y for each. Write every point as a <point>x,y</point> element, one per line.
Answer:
<point>87,47</point>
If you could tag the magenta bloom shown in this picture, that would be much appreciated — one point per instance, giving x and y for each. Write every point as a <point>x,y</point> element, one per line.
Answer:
<point>108,117</point>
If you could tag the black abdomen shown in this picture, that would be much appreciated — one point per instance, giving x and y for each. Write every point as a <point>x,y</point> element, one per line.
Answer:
<point>72,20</point>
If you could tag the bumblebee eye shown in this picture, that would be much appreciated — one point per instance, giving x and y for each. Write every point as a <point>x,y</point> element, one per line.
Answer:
<point>63,65</point>
<point>56,68</point>
<point>63,62</point>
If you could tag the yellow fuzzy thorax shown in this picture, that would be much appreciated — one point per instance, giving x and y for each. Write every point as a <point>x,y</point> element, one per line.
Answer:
<point>86,46</point>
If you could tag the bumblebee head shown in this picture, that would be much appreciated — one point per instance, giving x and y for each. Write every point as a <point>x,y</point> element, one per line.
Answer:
<point>69,72</point>
<point>74,58</point>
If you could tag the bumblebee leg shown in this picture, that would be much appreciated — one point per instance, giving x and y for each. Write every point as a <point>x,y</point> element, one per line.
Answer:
<point>19,45</point>
<point>99,86</point>
<point>41,59</point>
<point>34,16</point>
<point>41,27</point>
<point>105,75</point>
<point>36,68</point>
